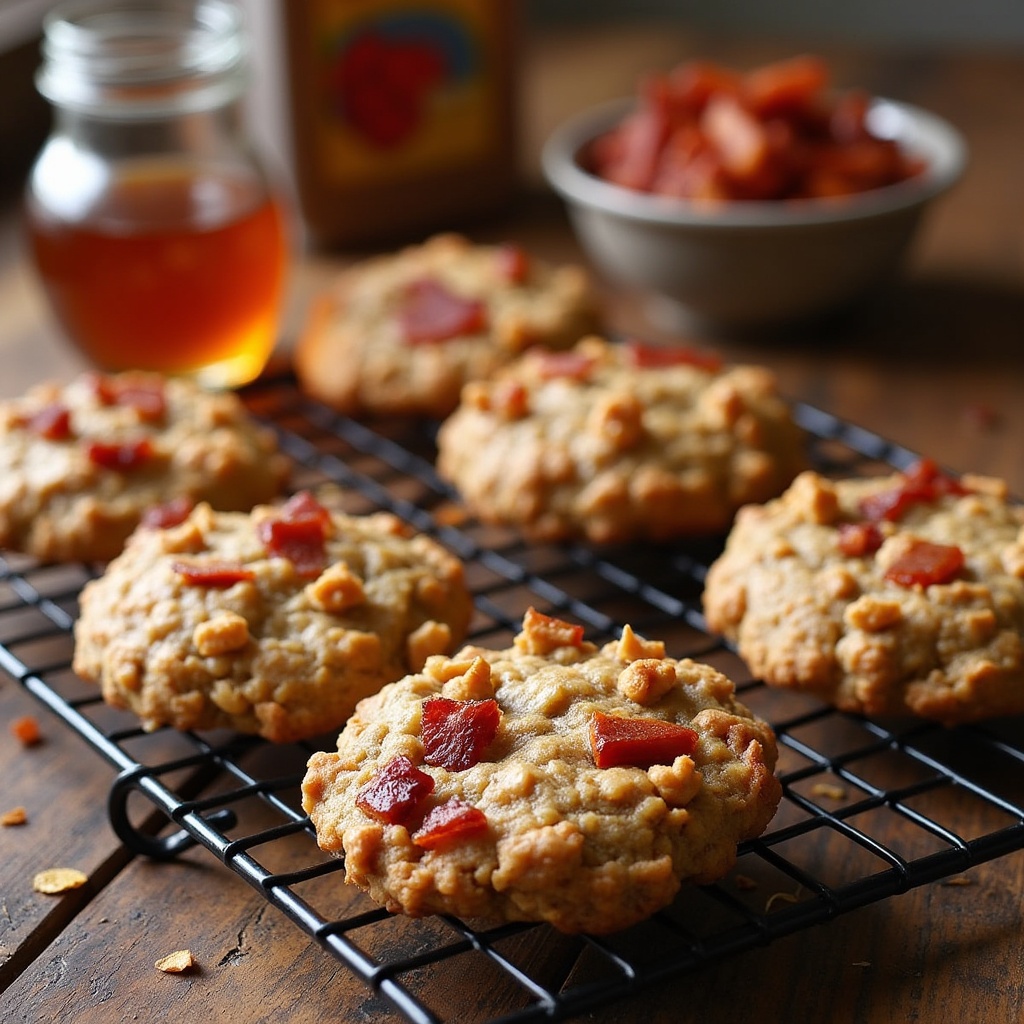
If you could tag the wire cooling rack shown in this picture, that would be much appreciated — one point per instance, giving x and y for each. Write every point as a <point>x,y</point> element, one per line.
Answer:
<point>870,808</point>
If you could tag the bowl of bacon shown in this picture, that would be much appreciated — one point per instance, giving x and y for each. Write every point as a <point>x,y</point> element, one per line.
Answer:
<point>751,198</point>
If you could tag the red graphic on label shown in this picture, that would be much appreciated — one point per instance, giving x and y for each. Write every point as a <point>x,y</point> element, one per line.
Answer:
<point>380,85</point>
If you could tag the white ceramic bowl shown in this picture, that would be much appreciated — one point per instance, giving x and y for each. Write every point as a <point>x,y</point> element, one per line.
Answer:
<point>744,264</point>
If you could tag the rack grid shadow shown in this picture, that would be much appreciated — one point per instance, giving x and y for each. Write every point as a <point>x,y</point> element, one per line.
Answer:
<point>870,808</point>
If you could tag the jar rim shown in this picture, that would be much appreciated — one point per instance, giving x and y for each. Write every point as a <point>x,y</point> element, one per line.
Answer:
<point>137,58</point>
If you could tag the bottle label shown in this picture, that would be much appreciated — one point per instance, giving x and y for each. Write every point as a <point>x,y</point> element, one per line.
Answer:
<point>404,88</point>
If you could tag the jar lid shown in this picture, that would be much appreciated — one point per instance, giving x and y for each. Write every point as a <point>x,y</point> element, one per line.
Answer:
<point>129,59</point>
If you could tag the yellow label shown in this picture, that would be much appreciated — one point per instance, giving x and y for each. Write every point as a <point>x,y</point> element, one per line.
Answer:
<point>403,88</point>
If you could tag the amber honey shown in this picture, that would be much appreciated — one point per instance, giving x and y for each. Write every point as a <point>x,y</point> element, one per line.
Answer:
<point>169,269</point>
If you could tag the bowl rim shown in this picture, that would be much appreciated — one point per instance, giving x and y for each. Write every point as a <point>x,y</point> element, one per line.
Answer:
<point>922,132</point>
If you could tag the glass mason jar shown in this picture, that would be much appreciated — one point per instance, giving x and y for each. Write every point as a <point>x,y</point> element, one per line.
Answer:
<point>156,233</point>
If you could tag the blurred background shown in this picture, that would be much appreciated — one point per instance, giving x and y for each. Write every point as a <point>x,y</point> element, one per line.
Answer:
<point>988,24</point>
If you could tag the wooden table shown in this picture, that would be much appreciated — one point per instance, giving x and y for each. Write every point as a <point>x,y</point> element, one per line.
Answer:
<point>937,365</point>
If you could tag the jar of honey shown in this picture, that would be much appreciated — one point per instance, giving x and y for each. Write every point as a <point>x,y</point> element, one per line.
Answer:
<point>155,231</point>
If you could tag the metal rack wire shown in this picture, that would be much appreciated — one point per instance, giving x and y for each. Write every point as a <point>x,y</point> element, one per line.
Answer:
<point>870,808</point>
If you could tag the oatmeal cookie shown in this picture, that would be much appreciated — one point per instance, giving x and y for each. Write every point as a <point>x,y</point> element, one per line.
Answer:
<point>615,442</point>
<point>81,463</point>
<point>275,622</point>
<point>400,334</point>
<point>903,594</point>
<point>553,781</point>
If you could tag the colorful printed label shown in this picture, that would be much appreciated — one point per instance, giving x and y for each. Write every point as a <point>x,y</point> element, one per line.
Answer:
<point>404,88</point>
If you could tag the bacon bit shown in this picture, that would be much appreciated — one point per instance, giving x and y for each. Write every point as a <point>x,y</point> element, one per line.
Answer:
<point>395,791</point>
<point>456,732</point>
<point>177,962</point>
<point>219,575</point>
<point>102,387</point>
<point>924,482</point>
<point>925,563</point>
<point>170,513</point>
<point>510,400</point>
<point>301,542</point>
<point>26,730</point>
<point>639,742</point>
<point>450,822</point>
<point>53,881</point>
<point>430,312</point>
<point>645,356</point>
<point>15,816</point>
<point>859,539</point>
<point>571,365</point>
<point>147,398</point>
<point>52,422</point>
<point>302,505</point>
<point>121,457</point>
<point>513,263</point>
<point>298,534</point>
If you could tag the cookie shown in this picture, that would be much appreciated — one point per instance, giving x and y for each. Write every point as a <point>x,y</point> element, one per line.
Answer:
<point>616,442</point>
<point>81,463</point>
<point>888,596</point>
<point>553,781</point>
<point>274,622</point>
<point>400,334</point>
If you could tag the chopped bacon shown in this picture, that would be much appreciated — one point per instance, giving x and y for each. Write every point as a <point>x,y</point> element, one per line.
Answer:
<point>513,263</point>
<point>102,387</point>
<point>122,457</point>
<point>639,742</point>
<point>573,365</point>
<point>510,399</point>
<point>644,356</point>
<point>302,505</point>
<point>394,792</point>
<point>219,575</point>
<point>52,422</point>
<point>859,539</point>
<point>925,563</point>
<point>298,534</point>
<point>147,398</point>
<point>922,483</point>
<point>455,733</point>
<point>710,134</point>
<point>431,312</point>
<point>168,514</point>
<point>450,822</point>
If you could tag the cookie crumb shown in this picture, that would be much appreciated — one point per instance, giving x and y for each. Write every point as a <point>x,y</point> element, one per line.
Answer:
<point>26,730</point>
<point>829,790</point>
<point>177,962</point>
<point>57,880</point>
<point>781,897</point>
<point>15,816</point>
<point>957,880</point>
<point>744,883</point>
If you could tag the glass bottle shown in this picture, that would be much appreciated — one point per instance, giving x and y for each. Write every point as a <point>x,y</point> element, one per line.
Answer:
<point>155,231</point>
